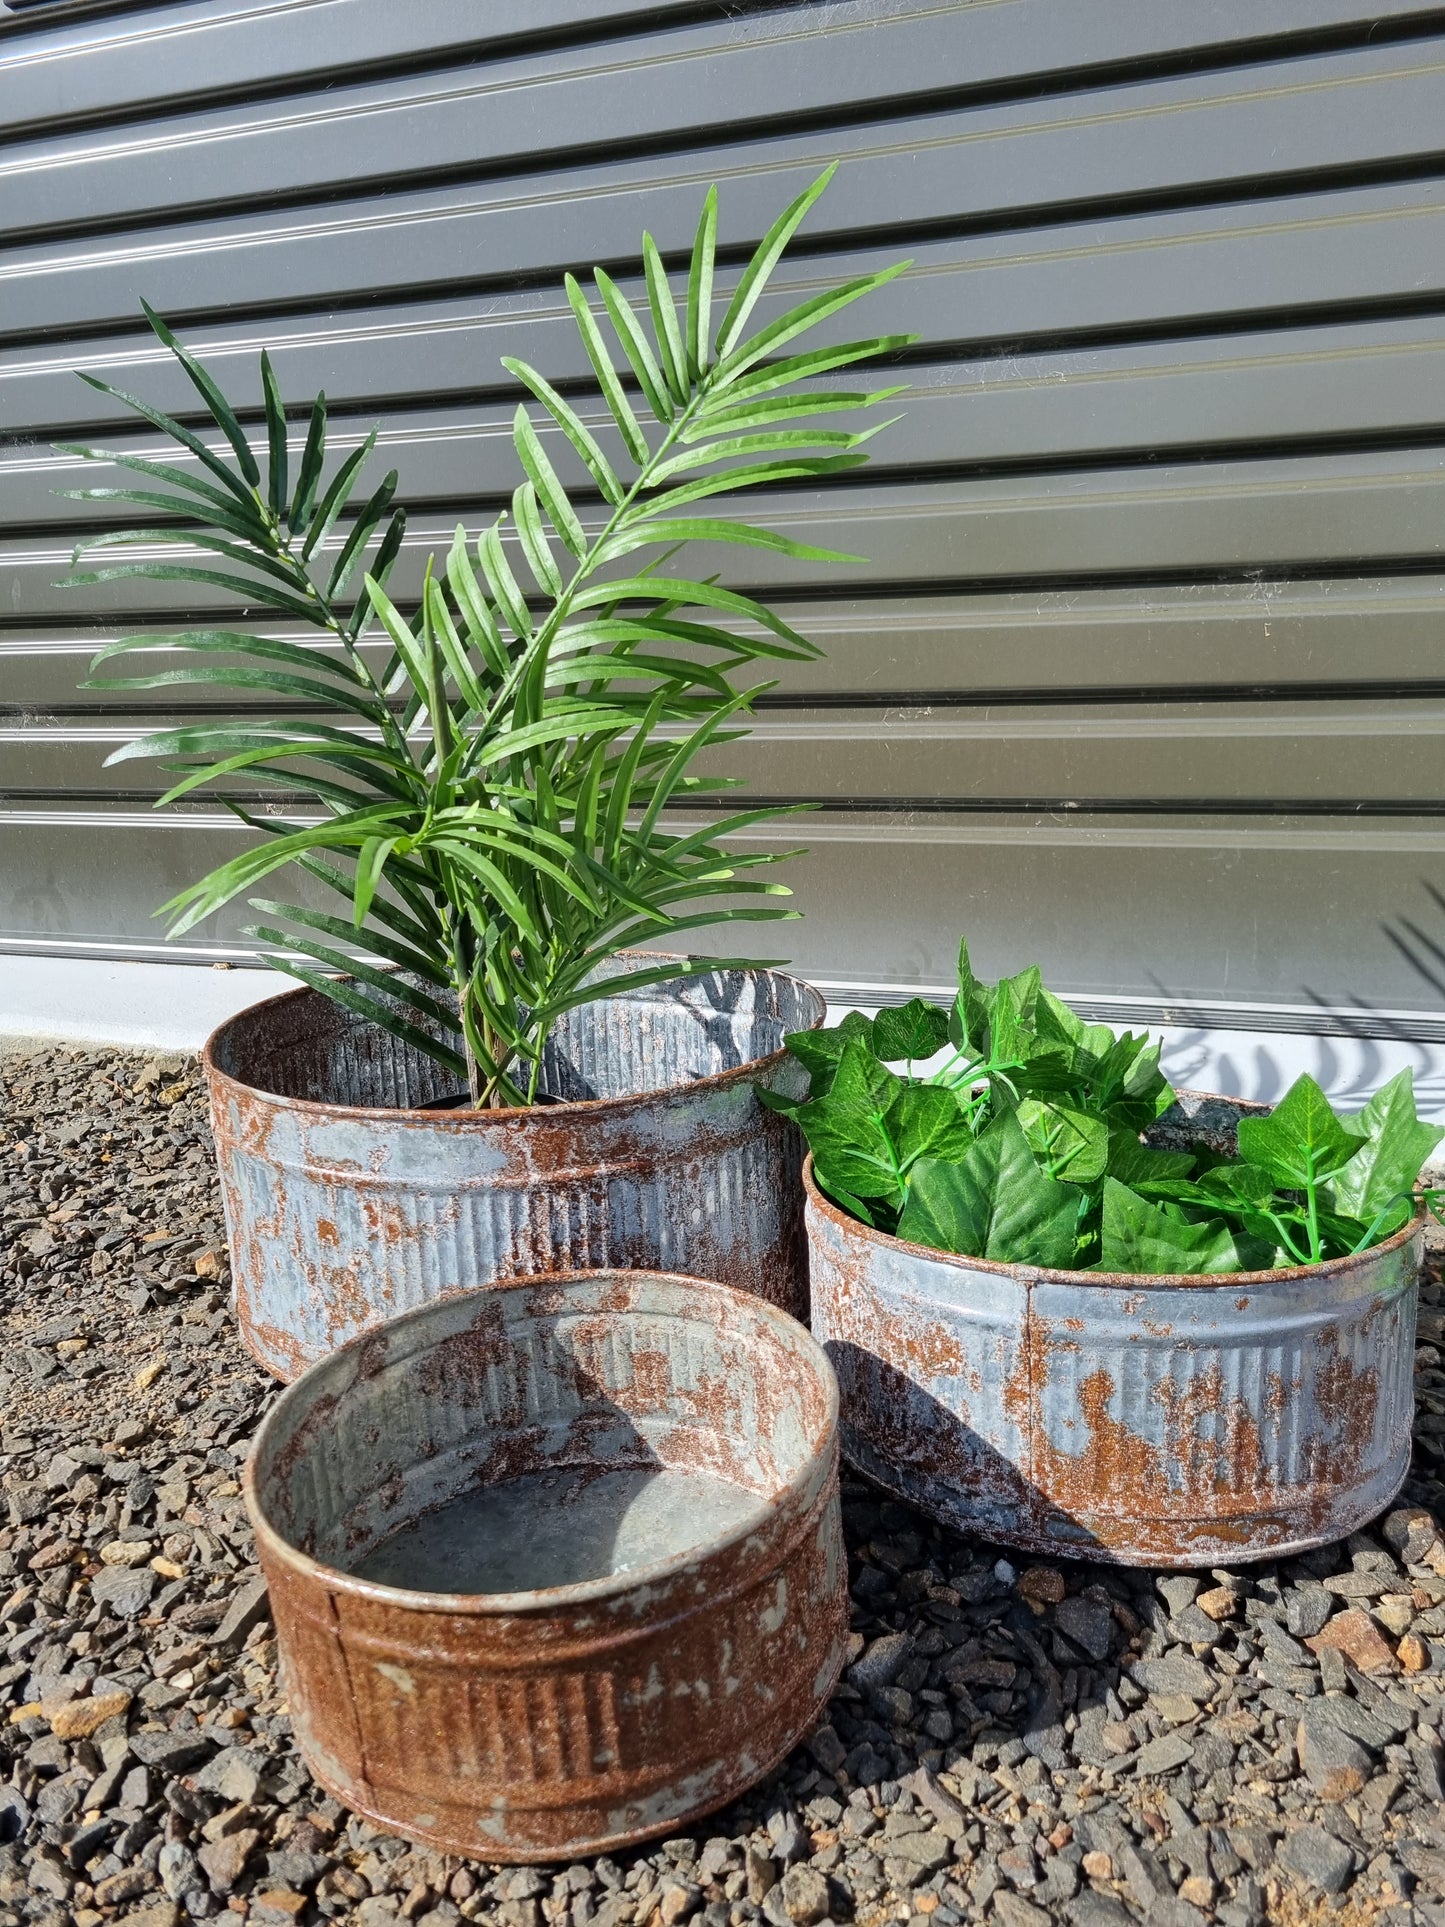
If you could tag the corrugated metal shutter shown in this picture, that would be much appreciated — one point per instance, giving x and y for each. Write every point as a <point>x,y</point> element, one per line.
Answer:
<point>1145,676</point>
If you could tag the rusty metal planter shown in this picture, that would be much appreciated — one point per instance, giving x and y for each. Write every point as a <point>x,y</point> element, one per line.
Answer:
<point>347,1203</point>
<point>649,1464</point>
<point>1165,1421</point>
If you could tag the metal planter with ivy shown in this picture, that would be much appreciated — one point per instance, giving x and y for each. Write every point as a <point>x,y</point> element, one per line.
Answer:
<point>1074,1310</point>
<point>1166,1421</point>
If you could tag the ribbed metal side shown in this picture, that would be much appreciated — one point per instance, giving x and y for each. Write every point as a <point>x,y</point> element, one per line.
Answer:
<point>1151,603</point>
<point>1164,1421</point>
<point>547,1723</point>
<point>344,1208</point>
<point>661,1037</point>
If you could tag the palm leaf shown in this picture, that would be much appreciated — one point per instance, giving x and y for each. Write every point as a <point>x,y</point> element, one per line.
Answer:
<point>544,480</point>
<point>767,256</point>
<point>276,477</point>
<point>740,534</point>
<point>807,314</point>
<point>634,343</point>
<point>706,595</point>
<point>361,533</point>
<point>404,955</point>
<point>505,589</point>
<point>380,1011</point>
<point>239,504</point>
<point>324,516</point>
<point>239,676</point>
<point>699,287</point>
<point>473,605</point>
<point>225,475</point>
<point>248,589</point>
<point>313,456</point>
<point>225,516</point>
<point>671,349</point>
<point>533,538</point>
<point>818,361</point>
<point>221,411</point>
<point>627,423</point>
<point>572,427</point>
<point>773,442</point>
<point>736,417</point>
<point>219,642</point>
<point>198,900</point>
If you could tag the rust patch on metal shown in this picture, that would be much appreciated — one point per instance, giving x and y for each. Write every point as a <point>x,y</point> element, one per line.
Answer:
<point>347,1201</point>
<point>572,1717</point>
<point>1151,1421</point>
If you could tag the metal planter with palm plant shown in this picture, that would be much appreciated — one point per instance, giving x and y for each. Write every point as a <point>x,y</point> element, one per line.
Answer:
<point>492,804</point>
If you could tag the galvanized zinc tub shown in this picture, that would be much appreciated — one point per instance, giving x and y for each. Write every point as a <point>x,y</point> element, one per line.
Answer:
<point>556,1565</point>
<point>1160,1421</point>
<point>347,1202</point>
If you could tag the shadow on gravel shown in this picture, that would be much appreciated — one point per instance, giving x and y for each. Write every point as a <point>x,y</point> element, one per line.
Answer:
<point>1014,1741</point>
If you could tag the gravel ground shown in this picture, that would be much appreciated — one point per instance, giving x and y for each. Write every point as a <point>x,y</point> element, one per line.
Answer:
<point>1013,1741</point>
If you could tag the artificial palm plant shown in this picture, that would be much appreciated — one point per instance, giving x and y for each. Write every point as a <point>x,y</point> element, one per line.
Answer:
<point>492,802</point>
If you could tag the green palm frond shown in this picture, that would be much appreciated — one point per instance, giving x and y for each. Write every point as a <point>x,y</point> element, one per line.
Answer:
<point>489,808</point>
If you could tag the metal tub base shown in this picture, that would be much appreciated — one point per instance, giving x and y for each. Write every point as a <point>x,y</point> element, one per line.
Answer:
<point>558,1565</point>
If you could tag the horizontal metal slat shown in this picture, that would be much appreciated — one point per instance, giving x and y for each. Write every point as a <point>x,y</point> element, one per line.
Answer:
<point>500,116</point>
<point>1004,164</point>
<point>1009,650</point>
<point>1333,759</point>
<point>183,53</point>
<point>1263,517</point>
<point>1338,761</point>
<point>100,68</point>
<point>1116,909</point>
<point>1384,381</point>
<point>709,82</point>
<point>1149,273</point>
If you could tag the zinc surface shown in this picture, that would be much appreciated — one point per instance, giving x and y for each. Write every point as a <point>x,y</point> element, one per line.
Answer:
<point>1144,674</point>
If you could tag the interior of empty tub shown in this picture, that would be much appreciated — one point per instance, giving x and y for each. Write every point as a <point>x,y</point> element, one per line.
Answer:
<point>526,1438</point>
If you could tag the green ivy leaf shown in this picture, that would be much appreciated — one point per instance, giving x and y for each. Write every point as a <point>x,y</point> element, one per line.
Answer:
<point>1301,1140</point>
<point>1138,1237</point>
<point>846,1128</point>
<point>1068,1143</point>
<point>914,1031</point>
<point>993,1203</point>
<point>1344,1234</point>
<point>819,1050</point>
<point>1135,1163</point>
<point>968,1024</point>
<point>870,1128</point>
<point>1387,1164</point>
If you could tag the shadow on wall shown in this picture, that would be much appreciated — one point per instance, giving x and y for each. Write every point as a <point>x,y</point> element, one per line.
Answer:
<point>1351,1053</point>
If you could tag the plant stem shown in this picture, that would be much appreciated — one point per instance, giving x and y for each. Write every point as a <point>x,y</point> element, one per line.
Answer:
<point>1282,1230</point>
<point>1312,1210</point>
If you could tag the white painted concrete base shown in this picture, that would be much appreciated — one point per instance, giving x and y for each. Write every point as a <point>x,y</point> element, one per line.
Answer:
<point>144,1006</point>
<point>151,1006</point>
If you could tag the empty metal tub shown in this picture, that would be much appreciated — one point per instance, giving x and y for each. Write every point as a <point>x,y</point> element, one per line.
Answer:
<point>558,1564</point>
<point>348,1199</point>
<point>1151,1420</point>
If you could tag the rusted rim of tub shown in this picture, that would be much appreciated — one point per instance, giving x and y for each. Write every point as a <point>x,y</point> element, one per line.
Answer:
<point>553,1599</point>
<point>1110,1280</point>
<point>520,1116</point>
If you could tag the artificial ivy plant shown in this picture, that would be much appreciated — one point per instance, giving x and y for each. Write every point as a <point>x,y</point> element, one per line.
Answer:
<point>1007,1128</point>
<point>492,800</point>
